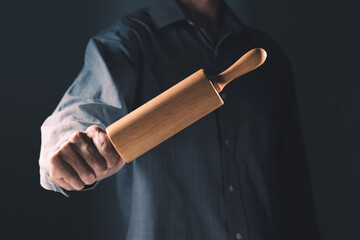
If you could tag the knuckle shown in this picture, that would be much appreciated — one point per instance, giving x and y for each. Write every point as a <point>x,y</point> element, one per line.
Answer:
<point>105,146</point>
<point>94,128</point>
<point>65,148</point>
<point>97,128</point>
<point>77,136</point>
<point>90,128</point>
<point>103,141</point>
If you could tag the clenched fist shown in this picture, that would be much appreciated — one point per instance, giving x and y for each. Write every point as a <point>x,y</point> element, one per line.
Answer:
<point>85,158</point>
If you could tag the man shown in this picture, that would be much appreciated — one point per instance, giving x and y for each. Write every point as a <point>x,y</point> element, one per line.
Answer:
<point>238,173</point>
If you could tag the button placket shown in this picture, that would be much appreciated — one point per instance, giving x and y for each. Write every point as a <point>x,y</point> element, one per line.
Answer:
<point>238,236</point>
<point>236,216</point>
<point>235,211</point>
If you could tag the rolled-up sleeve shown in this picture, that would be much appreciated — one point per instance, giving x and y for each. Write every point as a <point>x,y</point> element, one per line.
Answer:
<point>101,94</point>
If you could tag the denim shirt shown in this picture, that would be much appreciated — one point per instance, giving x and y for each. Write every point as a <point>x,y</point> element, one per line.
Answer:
<point>238,173</point>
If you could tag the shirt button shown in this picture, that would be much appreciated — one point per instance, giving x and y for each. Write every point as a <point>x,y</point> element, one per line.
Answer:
<point>238,236</point>
<point>191,23</point>
<point>227,142</point>
<point>223,96</point>
<point>231,188</point>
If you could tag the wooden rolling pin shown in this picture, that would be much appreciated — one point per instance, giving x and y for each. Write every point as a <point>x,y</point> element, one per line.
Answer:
<point>176,108</point>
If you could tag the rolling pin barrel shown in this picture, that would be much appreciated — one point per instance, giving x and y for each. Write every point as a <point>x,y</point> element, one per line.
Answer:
<point>176,108</point>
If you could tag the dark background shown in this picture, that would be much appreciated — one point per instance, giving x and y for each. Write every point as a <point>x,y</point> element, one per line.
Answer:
<point>41,51</point>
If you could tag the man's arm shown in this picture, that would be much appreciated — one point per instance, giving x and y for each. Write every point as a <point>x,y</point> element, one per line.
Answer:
<point>101,94</point>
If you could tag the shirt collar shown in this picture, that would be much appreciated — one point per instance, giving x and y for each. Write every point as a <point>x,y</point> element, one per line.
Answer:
<point>166,12</point>
<point>231,23</point>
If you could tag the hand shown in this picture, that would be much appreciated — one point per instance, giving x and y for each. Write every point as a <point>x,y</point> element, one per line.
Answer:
<point>85,158</point>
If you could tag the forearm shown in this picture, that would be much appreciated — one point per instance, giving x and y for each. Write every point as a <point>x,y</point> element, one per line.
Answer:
<point>55,131</point>
<point>67,119</point>
<point>99,96</point>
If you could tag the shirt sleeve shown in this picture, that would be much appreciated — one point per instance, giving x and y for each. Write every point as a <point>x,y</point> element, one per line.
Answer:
<point>101,94</point>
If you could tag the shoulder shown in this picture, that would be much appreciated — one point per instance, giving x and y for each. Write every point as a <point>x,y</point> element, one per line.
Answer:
<point>125,36</point>
<point>277,64</point>
<point>130,27</point>
<point>275,52</point>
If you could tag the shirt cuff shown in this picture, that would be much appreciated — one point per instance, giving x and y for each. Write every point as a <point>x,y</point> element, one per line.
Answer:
<point>48,184</point>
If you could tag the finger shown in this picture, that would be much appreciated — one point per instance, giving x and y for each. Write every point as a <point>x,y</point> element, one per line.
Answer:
<point>76,161</point>
<point>103,145</point>
<point>85,147</point>
<point>113,170</point>
<point>63,184</point>
<point>60,169</point>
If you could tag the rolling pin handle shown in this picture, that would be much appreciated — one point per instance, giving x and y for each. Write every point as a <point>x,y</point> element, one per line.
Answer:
<point>248,62</point>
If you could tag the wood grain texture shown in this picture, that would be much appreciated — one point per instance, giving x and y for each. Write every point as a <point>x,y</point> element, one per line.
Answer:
<point>247,63</point>
<point>163,116</point>
<point>176,108</point>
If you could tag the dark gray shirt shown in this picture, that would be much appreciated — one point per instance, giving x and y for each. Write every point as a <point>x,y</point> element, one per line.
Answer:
<point>238,173</point>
